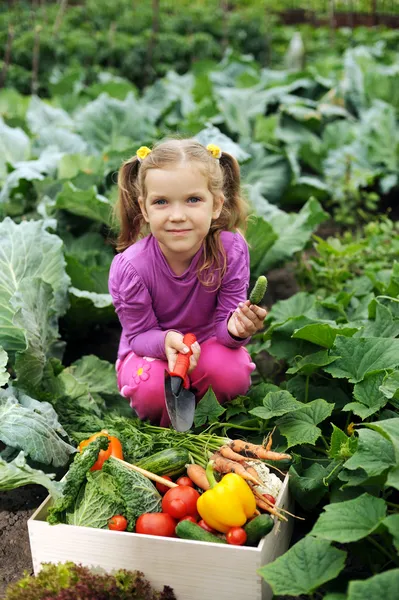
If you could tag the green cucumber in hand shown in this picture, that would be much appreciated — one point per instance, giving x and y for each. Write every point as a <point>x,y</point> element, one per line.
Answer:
<point>258,290</point>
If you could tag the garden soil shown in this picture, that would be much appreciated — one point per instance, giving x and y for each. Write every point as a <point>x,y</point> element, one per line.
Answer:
<point>16,506</point>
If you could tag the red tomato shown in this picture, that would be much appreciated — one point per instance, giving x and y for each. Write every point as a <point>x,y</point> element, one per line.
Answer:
<point>161,487</point>
<point>114,449</point>
<point>185,481</point>
<point>270,498</point>
<point>181,502</point>
<point>156,524</point>
<point>207,527</point>
<point>236,536</point>
<point>189,518</point>
<point>117,523</point>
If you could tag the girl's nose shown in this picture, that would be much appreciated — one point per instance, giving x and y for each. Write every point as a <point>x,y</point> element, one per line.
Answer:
<point>177,214</point>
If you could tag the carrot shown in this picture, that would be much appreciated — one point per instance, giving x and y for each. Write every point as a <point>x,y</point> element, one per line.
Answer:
<point>197,475</point>
<point>252,472</point>
<point>254,451</point>
<point>227,452</point>
<point>261,504</point>
<point>225,465</point>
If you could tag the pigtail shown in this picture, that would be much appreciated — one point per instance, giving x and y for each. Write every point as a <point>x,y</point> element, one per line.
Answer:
<point>233,217</point>
<point>127,208</point>
<point>235,209</point>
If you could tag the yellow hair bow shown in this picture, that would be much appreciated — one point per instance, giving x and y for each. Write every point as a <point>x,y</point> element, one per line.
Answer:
<point>142,153</point>
<point>214,150</point>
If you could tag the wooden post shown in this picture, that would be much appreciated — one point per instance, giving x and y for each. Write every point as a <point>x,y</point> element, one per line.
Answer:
<point>154,36</point>
<point>7,55</point>
<point>111,41</point>
<point>374,11</point>
<point>224,9</point>
<point>59,17</point>
<point>332,21</point>
<point>35,61</point>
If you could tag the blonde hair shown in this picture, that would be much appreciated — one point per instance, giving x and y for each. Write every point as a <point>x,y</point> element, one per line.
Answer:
<point>224,176</point>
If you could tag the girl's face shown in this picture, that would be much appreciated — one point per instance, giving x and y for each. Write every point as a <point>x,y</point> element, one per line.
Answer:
<point>179,209</point>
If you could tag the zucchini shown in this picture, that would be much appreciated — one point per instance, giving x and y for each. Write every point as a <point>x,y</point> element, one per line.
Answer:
<point>191,531</point>
<point>171,461</point>
<point>257,529</point>
<point>258,290</point>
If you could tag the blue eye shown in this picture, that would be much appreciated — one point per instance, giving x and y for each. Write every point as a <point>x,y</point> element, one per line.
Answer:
<point>160,202</point>
<point>194,200</point>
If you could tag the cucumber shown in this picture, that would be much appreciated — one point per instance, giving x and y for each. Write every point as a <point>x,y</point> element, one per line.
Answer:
<point>191,531</point>
<point>257,529</point>
<point>171,461</point>
<point>258,290</point>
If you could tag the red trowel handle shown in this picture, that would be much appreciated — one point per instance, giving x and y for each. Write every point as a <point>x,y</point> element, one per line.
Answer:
<point>183,360</point>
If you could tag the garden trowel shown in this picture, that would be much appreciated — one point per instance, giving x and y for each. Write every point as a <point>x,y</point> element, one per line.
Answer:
<point>180,402</point>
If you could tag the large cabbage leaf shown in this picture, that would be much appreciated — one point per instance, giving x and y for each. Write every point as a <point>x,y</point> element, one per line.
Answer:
<point>27,252</point>
<point>139,494</point>
<point>96,503</point>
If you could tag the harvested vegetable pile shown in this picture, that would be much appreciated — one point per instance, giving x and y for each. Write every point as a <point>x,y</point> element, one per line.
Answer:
<point>104,491</point>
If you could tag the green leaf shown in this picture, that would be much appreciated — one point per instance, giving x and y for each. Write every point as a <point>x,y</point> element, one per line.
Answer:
<point>304,567</point>
<point>17,473</point>
<point>311,363</point>
<point>266,176</point>
<point>27,250</point>
<point>296,306</point>
<point>300,427</point>
<point>363,356</point>
<point>341,445</point>
<point>389,428</point>
<point>310,485</point>
<point>88,309</point>
<point>368,395</point>
<point>35,314</point>
<point>351,520</point>
<point>294,231</point>
<point>260,237</point>
<point>329,391</point>
<point>14,146</point>
<point>208,409</point>
<point>213,135</point>
<point>110,123</point>
<point>384,585</point>
<point>30,431</point>
<point>96,503</point>
<point>383,326</point>
<point>323,334</point>
<point>374,453</point>
<point>98,374</point>
<point>276,404</point>
<point>41,114</point>
<point>393,478</point>
<point>390,386</point>
<point>4,375</point>
<point>392,524</point>
<point>85,203</point>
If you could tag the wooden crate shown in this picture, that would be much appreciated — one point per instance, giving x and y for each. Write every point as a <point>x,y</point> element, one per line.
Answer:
<point>195,570</point>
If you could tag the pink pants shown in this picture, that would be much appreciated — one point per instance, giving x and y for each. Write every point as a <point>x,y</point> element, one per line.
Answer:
<point>141,379</point>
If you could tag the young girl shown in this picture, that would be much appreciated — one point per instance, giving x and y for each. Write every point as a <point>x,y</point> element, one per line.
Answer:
<point>190,273</point>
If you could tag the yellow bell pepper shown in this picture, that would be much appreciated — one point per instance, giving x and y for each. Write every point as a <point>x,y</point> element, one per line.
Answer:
<point>228,503</point>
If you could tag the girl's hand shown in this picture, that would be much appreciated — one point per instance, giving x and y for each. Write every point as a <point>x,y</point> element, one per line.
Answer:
<point>174,345</point>
<point>246,320</point>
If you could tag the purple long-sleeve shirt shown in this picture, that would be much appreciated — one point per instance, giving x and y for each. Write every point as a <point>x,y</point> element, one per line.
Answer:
<point>150,299</point>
